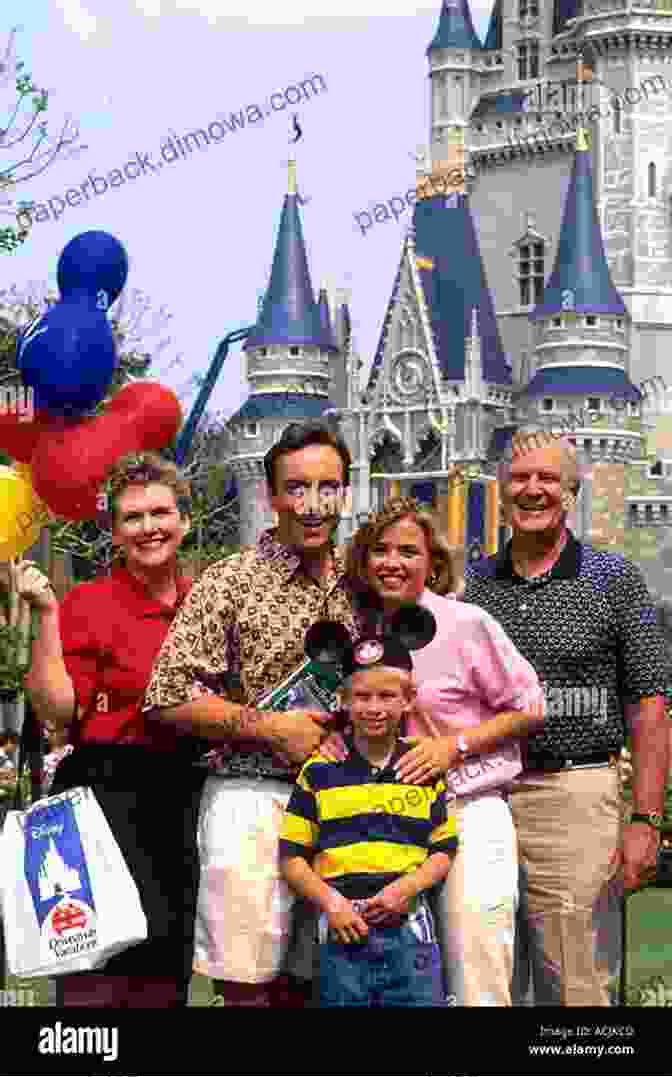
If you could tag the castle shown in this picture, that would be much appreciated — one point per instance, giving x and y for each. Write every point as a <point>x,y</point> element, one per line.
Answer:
<point>538,287</point>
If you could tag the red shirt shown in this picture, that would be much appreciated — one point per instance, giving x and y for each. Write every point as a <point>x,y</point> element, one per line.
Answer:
<point>112,630</point>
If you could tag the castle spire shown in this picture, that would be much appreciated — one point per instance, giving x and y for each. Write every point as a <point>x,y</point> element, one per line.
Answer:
<point>493,38</point>
<point>580,281</point>
<point>291,176</point>
<point>289,314</point>
<point>455,30</point>
<point>329,342</point>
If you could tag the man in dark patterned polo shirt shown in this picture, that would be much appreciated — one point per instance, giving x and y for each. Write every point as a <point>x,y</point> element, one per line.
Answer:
<point>585,621</point>
<point>238,635</point>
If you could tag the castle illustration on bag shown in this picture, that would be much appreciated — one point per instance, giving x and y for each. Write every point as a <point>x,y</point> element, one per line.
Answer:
<point>55,877</point>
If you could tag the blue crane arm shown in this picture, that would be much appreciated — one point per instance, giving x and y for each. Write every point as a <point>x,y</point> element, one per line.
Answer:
<point>189,429</point>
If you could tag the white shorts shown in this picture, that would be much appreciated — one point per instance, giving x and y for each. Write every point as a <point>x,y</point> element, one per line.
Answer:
<point>244,914</point>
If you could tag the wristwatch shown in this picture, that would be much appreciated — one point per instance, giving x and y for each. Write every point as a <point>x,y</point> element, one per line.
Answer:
<point>653,818</point>
<point>462,746</point>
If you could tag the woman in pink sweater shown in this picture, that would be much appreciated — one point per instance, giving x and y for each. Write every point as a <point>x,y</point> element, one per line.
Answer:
<point>476,696</point>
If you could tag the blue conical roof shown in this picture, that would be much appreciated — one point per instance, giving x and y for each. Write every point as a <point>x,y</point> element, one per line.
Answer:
<point>455,285</point>
<point>449,264</point>
<point>280,405</point>
<point>455,30</point>
<point>328,339</point>
<point>289,315</point>
<point>493,38</point>
<point>580,280</point>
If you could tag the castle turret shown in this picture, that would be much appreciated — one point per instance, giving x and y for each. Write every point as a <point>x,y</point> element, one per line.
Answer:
<point>581,383</point>
<point>455,29</point>
<point>581,346</point>
<point>288,366</point>
<point>334,344</point>
<point>454,56</point>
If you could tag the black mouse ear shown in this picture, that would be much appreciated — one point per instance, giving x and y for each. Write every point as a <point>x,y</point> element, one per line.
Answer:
<point>413,626</point>
<point>328,643</point>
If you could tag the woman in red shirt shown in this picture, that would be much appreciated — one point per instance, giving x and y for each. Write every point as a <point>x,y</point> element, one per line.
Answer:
<point>94,657</point>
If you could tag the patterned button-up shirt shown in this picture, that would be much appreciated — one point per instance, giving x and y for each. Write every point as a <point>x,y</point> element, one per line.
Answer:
<point>241,632</point>
<point>588,627</point>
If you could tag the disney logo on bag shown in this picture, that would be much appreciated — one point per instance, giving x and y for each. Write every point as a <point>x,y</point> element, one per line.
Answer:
<point>43,831</point>
<point>69,916</point>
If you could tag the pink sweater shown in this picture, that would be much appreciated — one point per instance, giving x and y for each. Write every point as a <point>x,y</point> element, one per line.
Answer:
<point>470,672</point>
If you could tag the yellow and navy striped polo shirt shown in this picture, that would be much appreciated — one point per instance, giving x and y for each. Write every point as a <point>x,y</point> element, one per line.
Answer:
<point>361,827</point>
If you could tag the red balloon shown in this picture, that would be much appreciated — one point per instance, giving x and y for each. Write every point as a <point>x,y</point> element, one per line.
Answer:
<point>142,399</point>
<point>71,464</point>
<point>19,438</point>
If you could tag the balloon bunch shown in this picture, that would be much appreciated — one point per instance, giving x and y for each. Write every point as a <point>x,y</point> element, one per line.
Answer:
<point>68,356</point>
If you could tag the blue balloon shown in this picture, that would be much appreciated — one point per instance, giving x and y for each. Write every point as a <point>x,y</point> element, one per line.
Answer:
<point>94,264</point>
<point>68,356</point>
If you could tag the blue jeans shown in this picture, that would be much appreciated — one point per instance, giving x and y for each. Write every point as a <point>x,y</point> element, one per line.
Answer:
<point>392,968</point>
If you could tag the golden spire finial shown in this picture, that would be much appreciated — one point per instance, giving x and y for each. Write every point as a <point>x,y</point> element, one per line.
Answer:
<point>291,176</point>
<point>584,73</point>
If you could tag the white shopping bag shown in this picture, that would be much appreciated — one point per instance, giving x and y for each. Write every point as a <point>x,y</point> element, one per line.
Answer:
<point>69,902</point>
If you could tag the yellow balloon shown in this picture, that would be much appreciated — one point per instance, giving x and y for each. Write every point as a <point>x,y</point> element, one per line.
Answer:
<point>25,471</point>
<point>22,515</point>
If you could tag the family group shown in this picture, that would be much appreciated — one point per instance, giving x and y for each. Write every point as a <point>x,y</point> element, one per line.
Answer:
<point>414,846</point>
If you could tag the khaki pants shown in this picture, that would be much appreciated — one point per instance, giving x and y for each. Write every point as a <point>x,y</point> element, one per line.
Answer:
<point>569,937</point>
<point>476,905</point>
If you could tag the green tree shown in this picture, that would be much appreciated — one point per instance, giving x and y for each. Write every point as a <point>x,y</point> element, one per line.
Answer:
<point>29,145</point>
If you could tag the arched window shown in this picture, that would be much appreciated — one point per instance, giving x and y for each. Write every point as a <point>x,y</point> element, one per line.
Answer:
<point>652,180</point>
<point>528,59</point>
<point>616,105</point>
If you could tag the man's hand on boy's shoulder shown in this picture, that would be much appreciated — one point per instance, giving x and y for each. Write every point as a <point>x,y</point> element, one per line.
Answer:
<point>345,920</point>
<point>386,907</point>
<point>427,759</point>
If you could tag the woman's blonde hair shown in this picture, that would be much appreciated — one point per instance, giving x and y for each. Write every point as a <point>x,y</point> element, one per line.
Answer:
<point>442,579</point>
<point>145,468</point>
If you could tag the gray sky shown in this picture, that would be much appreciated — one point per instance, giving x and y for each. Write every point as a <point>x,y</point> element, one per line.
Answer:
<point>200,233</point>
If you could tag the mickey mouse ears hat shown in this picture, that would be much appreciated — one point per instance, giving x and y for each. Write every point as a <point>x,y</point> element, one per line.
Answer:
<point>410,629</point>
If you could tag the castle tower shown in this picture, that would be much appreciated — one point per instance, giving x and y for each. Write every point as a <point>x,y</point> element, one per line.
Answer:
<point>288,367</point>
<point>630,55</point>
<point>521,135</point>
<point>454,57</point>
<point>55,877</point>
<point>581,353</point>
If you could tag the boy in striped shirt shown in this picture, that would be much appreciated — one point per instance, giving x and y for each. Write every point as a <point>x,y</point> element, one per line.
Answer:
<point>363,847</point>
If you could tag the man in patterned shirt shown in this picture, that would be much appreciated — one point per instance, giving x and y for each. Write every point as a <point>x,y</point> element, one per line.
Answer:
<point>240,633</point>
<point>585,621</point>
